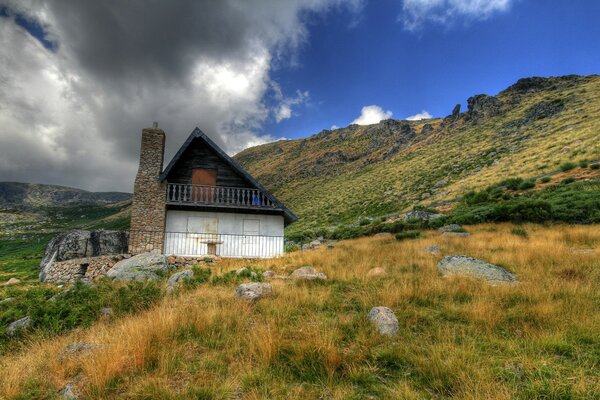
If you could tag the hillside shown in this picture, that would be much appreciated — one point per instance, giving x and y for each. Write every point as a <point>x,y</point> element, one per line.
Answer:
<point>338,177</point>
<point>458,338</point>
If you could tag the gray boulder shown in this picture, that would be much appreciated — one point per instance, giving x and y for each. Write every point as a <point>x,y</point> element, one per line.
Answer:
<point>7,300</point>
<point>451,228</point>
<point>307,272</point>
<point>80,244</point>
<point>422,215</point>
<point>253,290</point>
<point>469,266</point>
<point>433,249</point>
<point>178,277</point>
<point>142,267</point>
<point>384,235</point>
<point>18,325</point>
<point>457,234</point>
<point>67,393</point>
<point>384,320</point>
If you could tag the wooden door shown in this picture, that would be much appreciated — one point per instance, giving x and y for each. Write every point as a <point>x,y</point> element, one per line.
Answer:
<point>204,177</point>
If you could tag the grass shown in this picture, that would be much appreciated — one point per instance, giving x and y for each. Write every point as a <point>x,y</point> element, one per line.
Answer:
<point>458,338</point>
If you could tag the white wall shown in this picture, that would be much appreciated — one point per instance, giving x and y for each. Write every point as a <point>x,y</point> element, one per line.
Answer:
<point>235,234</point>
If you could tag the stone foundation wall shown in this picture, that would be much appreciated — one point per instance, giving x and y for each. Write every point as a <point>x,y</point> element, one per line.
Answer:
<point>149,196</point>
<point>85,269</point>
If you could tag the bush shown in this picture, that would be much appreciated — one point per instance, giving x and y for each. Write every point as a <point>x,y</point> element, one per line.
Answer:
<point>526,185</point>
<point>567,166</point>
<point>364,221</point>
<point>583,164</point>
<point>408,235</point>
<point>568,180</point>
<point>512,183</point>
<point>519,232</point>
<point>545,179</point>
<point>595,166</point>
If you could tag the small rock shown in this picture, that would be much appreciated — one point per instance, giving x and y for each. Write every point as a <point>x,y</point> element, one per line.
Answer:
<point>12,281</point>
<point>440,184</point>
<point>253,290</point>
<point>307,272</point>
<point>469,266</point>
<point>180,260</point>
<point>422,215</point>
<point>268,274</point>
<point>306,246</point>
<point>331,245</point>
<point>18,325</point>
<point>433,249</point>
<point>7,300</point>
<point>376,272</point>
<point>385,320</point>
<point>451,228</point>
<point>67,393</point>
<point>79,347</point>
<point>177,278</point>
<point>315,243</point>
<point>171,260</point>
<point>458,234</point>
<point>106,313</point>
<point>383,235</point>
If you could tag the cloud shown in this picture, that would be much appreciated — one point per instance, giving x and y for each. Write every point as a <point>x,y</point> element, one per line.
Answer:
<point>422,115</point>
<point>334,127</point>
<point>416,12</point>
<point>371,115</point>
<point>72,113</point>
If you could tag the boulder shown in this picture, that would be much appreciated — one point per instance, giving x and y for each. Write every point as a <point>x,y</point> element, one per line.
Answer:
<point>18,325</point>
<point>178,277</point>
<point>315,243</point>
<point>78,347</point>
<point>458,234</point>
<point>106,313</point>
<point>67,393</point>
<point>307,272</point>
<point>469,266</point>
<point>12,281</point>
<point>7,300</point>
<point>422,215</point>
<point>384,320</point>
<point>81,244</point>
<point>268,274</point>
<point>376,272</point>
<point>383,235</point>
<point>331,245</point>
<point>253,290</point>
<point>142,267</point>
<point>451,228</point>
<point>433,249</point>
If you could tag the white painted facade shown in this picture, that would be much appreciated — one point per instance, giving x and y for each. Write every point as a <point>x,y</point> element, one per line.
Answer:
<point>196,233</point>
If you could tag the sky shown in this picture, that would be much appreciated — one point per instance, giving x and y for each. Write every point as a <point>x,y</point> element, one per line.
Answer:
<point>80,79</point>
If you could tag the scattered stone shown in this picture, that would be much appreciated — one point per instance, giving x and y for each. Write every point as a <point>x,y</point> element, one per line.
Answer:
<point>171,260</point>
<point>583,251</point>
<point>18,325</point>
<point>459,234</point>
<point>307,272</point>
<point>451,228</point>
<point>315,243</point>
<point>384,235</point>
<point>385,320</point>
<point>79,347</point>
<point>306,246</point>
<point>422,215</point>
<point>427,129</point>
<point>253,290</point>
<point>331,245</point>
<point>67,393</point>
<point>142,267</point>
<point>12,281</point>
<point>178,277</point>
<point>433,249</point>
<point>469,266</point>
<point>106,313</point>
<point>268,274</point>
<point>376,272</point>
<point>7,300</point>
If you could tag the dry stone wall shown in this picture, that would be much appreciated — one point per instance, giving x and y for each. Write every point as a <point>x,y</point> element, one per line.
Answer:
<point>85,269</point>
<point>148,208</point>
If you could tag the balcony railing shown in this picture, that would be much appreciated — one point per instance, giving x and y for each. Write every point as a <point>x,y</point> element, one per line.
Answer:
<point>220,196</point>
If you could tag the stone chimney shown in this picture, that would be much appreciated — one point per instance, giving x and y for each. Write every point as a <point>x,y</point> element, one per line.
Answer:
<point>148,209</point>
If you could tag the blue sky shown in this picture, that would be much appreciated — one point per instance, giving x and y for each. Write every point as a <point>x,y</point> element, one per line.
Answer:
<point>346,66</point>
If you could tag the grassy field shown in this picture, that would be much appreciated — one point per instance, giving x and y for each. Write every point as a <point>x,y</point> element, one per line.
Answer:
<point>458,338</point>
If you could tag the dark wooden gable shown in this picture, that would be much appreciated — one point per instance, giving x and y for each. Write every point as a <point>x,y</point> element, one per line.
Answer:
<point>199,155</point>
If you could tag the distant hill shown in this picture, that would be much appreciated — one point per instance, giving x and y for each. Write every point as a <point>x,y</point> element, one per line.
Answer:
<point>30,195</point>
<point>338,177</point>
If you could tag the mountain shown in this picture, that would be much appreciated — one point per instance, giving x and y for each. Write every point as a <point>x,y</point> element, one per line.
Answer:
<point>30,195</point>
<point>338,177</point>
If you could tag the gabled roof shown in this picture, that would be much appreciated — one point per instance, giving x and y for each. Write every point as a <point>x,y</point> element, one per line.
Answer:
<point>289,216</point>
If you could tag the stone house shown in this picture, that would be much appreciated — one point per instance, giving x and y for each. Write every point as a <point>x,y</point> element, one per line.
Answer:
<point>202,203</point>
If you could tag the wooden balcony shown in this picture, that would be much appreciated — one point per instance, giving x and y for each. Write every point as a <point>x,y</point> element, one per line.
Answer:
<point>217,196</point>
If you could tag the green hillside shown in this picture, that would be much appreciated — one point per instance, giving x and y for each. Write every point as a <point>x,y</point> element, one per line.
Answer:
<point>339,177</point>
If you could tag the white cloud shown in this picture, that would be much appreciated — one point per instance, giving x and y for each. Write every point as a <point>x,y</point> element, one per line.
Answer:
<point>73,115</point>
<point>416,12</point>
<point>334,127</point>
<point>372,115</point>
<point>422,115</point>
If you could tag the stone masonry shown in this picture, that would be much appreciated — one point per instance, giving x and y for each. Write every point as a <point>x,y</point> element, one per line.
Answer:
<point>149,196</point>
<point>85,269</point>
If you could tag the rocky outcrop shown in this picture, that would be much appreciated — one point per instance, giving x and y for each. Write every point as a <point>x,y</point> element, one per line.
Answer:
<point>307,272</point>
<point>80,244</point>
<point>451,228</point>
<point>18,325</point>
<point>384,320</point>
<point>177,278</point>
<point>253,291</point>
<point>481,107</point>
<point>142,267</point>
<point>472,267</point>
<point>544,109</point>
<point>422,215</point>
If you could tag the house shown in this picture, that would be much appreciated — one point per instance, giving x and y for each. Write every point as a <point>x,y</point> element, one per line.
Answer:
<point>202,203</point>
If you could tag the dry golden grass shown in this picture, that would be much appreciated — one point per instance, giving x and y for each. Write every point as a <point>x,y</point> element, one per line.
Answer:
<point>458,338</point>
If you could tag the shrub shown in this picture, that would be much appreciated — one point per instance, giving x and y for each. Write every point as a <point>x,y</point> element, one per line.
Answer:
<point>408,235</point>
<point>364,221</point>
<point>545,179</point>
<point>526,185</point>
<point>519,232</point>
<point>583,164</point>
<point>567,166</point>
<point>511,183</point>
<point>568,180</point>
<point>595,166</point>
